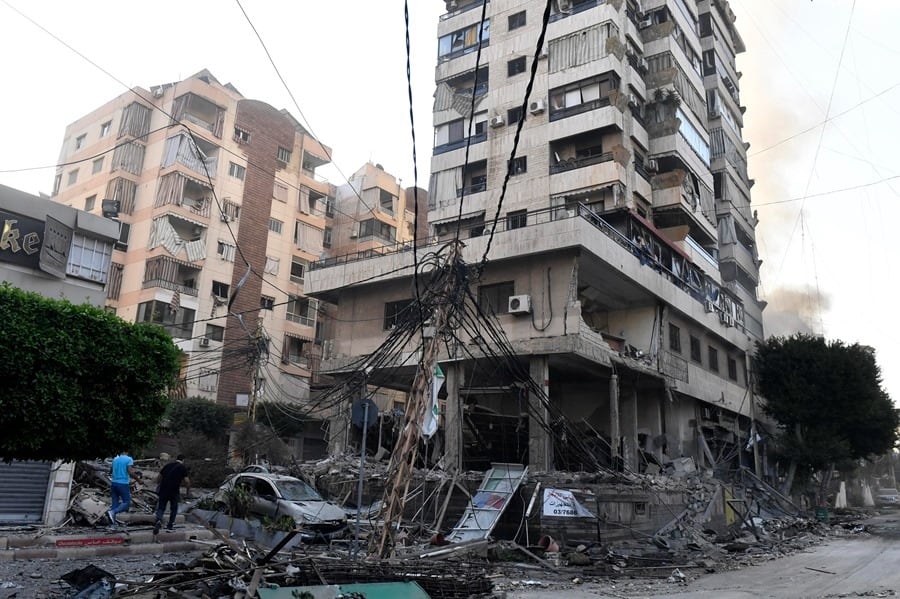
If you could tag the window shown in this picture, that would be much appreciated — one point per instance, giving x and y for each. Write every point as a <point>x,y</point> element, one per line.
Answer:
<point>280,192</point>
<point>292,350</point>
<point>272,265</point>
<point>514,115</point>
<point>515,66</point>
<point>396,312</point>
<point>241,136</point>
<point>89,203</point>
<point>696,354</point>
<point>386,201</point>
<point>284,155</point>
<point>225,251</point>
<point>518,165</point>
<point>89,258</point>
<point>220,289</point>
<point>302,310</point>
<point>581,96</point>
<point>329,206</point>
<point>732,369</point>
<point>266,302</point>
<point>231,210</point>
<point>215,332</point>
<point>298,270</point>
<point>494,298</point>
<point>236,170</point>
<point>463,41</point>
<point>713,354</point>
<point>97,166</point>
<point>516,219</point>
<point>124,232</point>
<point>276,226</point>
<point>517,20</point>
<point>73,177</point>
<point>371,226</point>
<point>326,237</point>
<point>179,323</point>
<point>674,338</point>
<point>79,141</point>
<point>104,128</point>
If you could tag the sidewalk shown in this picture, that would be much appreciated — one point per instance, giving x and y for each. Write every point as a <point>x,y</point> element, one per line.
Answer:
<point>135,538</point>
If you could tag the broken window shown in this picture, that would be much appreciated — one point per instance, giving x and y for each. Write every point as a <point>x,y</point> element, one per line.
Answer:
<point>494,299</point>
<point>89,258</point>
<point>386,201</point>
<point>225,251</point>
<point>396,312</point>
<point>200,111</point>
<point>463,41</point>
<point>266,302</point>
<point>220,289</point>
<point>515,66</point>
<point>178,322</point>
<point>582,96</point>
<point>298,269</point>
<point>292,353</point>
<point>518,165</point>
<point>241,136</point>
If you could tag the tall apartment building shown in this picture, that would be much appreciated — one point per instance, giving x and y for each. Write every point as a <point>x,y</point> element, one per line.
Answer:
<point>221,212</point>
<point>623,269</point>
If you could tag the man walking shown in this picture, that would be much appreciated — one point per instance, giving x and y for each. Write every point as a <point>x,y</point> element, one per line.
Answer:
<point>171,477</point>
<point>120,487</point>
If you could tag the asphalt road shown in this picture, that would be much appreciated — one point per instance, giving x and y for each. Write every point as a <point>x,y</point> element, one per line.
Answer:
<point>859,566</point>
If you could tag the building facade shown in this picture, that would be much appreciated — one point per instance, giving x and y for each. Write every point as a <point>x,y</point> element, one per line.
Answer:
<point>623,269</point>
<point>60,253</point>
<point>221,211</point>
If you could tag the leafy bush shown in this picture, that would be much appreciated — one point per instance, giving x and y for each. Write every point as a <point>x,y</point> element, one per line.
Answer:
<point>78,382</point>
<point>199,415</point>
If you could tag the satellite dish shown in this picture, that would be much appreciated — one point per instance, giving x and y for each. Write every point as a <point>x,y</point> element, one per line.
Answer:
<point>360,417</point>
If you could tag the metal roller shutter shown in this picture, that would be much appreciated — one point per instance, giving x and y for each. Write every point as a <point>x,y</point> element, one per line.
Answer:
<point>23,491</point>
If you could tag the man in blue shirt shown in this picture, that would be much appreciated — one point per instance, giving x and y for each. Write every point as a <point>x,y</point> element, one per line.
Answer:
<point>120,488</point>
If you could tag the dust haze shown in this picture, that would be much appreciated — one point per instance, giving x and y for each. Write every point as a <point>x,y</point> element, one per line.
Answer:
<point>795,310</point>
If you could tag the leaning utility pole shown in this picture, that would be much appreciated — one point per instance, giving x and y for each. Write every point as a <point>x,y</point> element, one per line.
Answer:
<point>403,458</point>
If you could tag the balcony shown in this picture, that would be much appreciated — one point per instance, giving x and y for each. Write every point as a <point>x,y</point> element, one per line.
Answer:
<point>177,189</point>
<point>200,157</point>
<point>561,113</point>
<point>172,274</point>
<point>587,158</point>
<point>568,8</point>
<point>467,5</point>
<point>199,111</point>
<point>460,143</point>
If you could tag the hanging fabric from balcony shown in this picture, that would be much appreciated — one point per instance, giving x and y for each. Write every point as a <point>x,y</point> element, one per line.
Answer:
<point>727,233</point>
<point>195,250</point>
<point>165,235</point>
<point>444,186</point>
<point>579,47</point>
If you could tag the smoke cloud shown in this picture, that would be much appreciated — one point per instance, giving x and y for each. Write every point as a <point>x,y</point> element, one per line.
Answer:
<point>795,310</point>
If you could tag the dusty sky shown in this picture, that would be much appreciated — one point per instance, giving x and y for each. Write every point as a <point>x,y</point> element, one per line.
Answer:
<point>807,62</point>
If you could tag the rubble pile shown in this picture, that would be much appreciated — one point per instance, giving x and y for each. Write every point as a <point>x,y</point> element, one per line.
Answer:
<point>90,496</point>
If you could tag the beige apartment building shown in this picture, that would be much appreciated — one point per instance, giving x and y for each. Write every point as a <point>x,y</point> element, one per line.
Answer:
<point>221,213</point>
<point>623,270</point>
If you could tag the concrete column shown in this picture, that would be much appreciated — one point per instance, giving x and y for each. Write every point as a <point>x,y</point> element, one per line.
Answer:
<point>614,434</point>
<point>338,428</point>
<point>540,448</point>
<point>453,418</point>
<point>629,423</point>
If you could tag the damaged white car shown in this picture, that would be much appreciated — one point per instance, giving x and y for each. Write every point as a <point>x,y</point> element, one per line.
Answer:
<point>275,496</point>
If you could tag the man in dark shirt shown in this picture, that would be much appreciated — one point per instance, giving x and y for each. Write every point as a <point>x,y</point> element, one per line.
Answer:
<point>171,477</point>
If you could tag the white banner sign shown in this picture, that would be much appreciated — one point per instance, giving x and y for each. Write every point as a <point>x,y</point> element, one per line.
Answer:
<point>563,504</point>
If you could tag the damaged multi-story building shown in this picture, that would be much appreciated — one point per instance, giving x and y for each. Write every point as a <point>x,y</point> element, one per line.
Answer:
<point>623,269</point>
<point>221,212</point>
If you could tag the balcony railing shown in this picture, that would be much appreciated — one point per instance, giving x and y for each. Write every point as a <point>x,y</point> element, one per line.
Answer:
<point>575,162</point>
<point>471,189</point>
<point>170,285</point>
<point>461,143</point>
<point>643,242</point>
<point>574,8</point>
<point>460,11</point>
<point>561,113</point>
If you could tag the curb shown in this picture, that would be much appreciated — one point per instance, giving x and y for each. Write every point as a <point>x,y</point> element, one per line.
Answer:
<point>104,545</point>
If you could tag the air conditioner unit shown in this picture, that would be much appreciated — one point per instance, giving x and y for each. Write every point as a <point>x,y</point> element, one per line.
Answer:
<point>726,319</point>
<point>565,5</point>
<point>709,305</point>
<point>537,107</point>
<point>645,22</point>
<point>452,5</point>
<point>520,304</point>
<point>652,166</point>
<point>497,121</point>
<point>204,341</point>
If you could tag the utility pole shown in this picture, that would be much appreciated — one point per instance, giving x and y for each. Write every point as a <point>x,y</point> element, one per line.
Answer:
<point>406,449</point>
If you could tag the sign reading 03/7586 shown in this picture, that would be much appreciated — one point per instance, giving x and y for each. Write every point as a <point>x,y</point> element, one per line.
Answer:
<point>20,239</point>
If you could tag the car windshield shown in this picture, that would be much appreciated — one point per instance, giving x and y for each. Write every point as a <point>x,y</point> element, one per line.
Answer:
<point>297,490</point>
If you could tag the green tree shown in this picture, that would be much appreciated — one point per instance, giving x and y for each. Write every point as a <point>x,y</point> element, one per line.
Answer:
<point>828,400</point>
<point>77,382</point>
<point>200,415</point>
